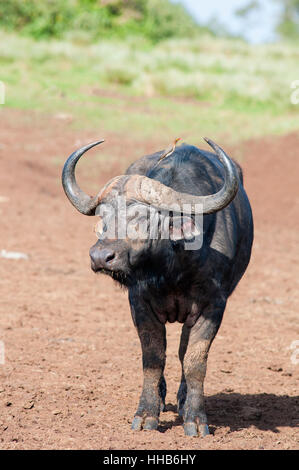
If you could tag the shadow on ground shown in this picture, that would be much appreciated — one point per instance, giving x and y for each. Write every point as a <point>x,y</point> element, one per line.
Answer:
<point>264,411</point>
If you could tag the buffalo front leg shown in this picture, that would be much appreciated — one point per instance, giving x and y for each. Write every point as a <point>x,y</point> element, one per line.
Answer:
<point>152,337</point>
<point>194,349</point>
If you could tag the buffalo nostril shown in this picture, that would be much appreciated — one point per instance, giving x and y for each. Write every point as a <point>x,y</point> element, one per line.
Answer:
<point>110,256</point>
<point>101,258</point>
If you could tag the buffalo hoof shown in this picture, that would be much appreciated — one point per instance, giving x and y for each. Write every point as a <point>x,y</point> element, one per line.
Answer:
<point>148,424</point>
<point>137,423</point>
<point>192,429</point>
<point>204,430</point>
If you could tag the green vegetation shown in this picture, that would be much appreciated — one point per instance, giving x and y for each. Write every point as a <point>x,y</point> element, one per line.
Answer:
<point>287,25</point>
<point>87,20</point>
<point>178,87</point>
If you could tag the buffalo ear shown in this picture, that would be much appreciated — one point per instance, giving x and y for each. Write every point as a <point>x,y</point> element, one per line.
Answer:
<point>183,228</point>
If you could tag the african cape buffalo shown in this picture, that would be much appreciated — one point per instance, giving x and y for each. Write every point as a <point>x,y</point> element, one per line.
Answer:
<point>165,281</point>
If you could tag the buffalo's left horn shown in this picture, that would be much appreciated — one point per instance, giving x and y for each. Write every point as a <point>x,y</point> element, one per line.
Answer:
<point>152,192</point>
<point>83,202</point>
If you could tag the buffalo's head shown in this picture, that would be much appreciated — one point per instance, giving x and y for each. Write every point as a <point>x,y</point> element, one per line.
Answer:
<point>140,224</point>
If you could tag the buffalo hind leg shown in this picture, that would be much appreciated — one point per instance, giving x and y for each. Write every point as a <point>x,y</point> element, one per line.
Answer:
<point>152,336</point>
<point>194,349</point>
<point>182,393</point>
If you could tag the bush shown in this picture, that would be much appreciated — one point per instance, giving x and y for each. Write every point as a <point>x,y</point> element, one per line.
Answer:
<point>154,19</point>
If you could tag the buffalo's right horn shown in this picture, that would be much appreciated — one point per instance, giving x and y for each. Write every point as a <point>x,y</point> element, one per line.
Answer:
<point>82,202</point>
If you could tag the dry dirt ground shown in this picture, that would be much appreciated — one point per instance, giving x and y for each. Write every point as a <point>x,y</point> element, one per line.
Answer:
<point>72,372</point>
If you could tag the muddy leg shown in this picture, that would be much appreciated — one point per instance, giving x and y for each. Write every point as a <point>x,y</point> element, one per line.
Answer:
<point>152,336</point>
<point>195,346</point>
<point>182,393</point>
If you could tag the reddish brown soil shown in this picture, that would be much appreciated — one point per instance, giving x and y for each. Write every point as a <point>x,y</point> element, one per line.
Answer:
<point>72,374</point>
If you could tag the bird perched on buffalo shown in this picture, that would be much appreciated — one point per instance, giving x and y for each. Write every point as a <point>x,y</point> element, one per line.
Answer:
<point>169,150</point>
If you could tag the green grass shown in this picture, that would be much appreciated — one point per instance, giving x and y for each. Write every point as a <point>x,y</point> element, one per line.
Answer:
<point>179,87</point>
